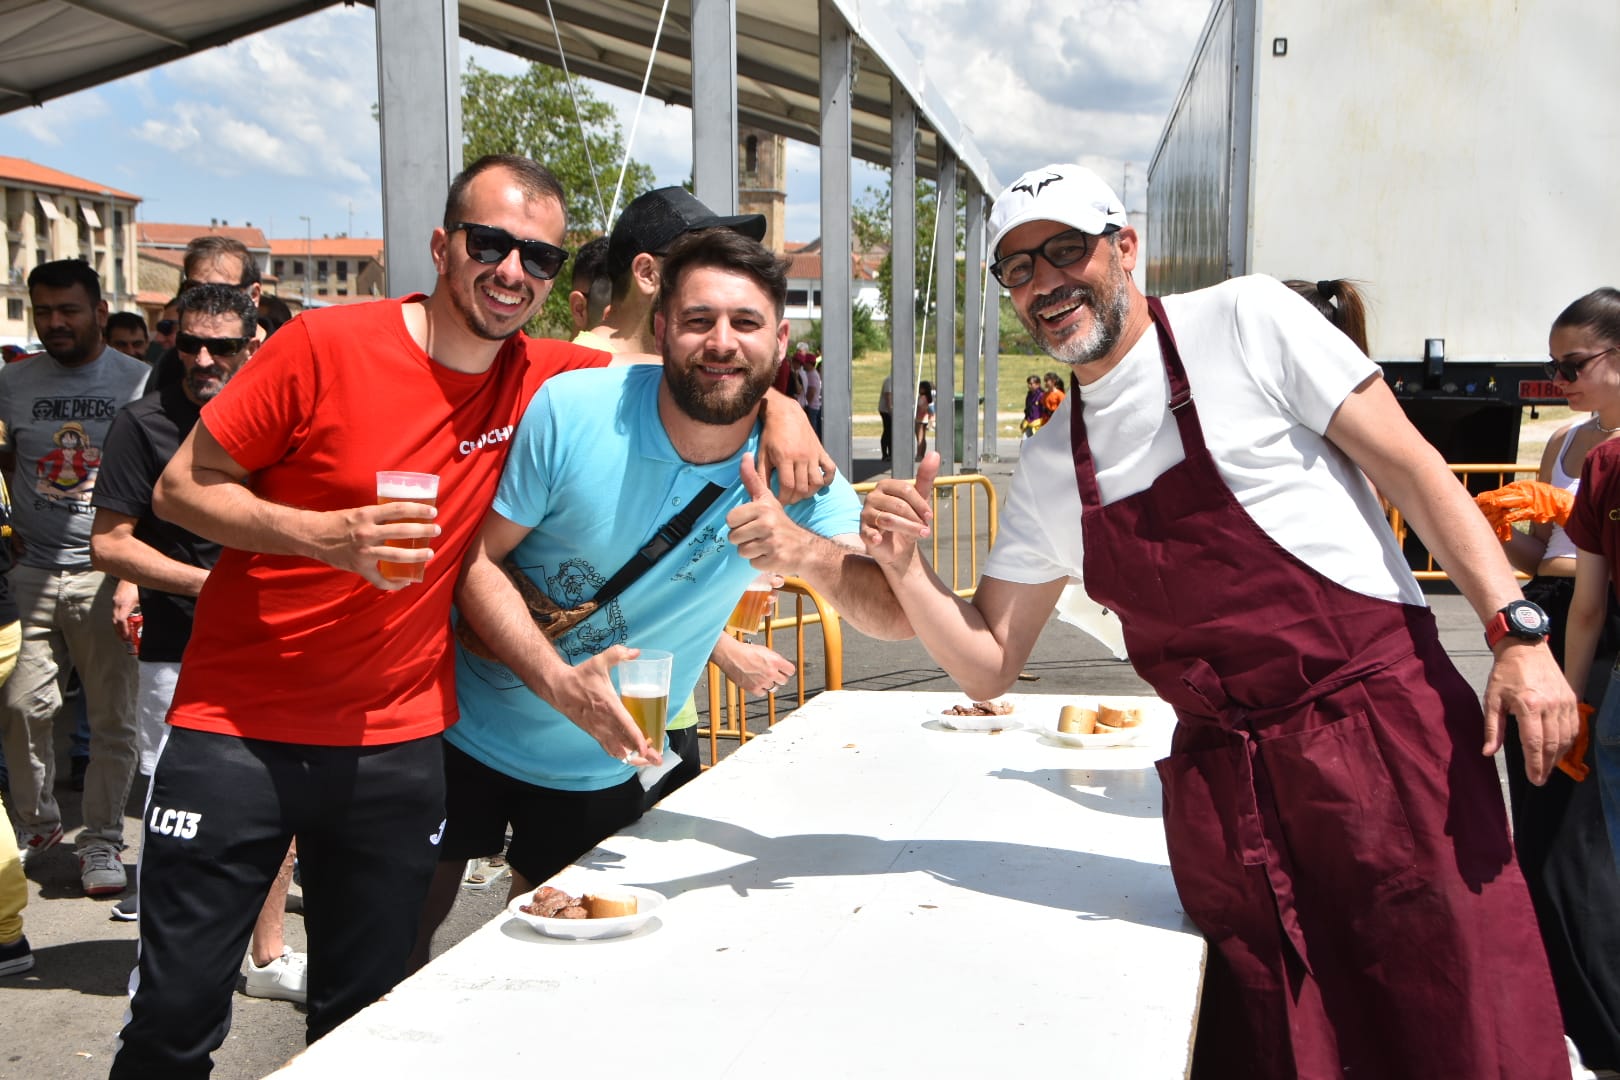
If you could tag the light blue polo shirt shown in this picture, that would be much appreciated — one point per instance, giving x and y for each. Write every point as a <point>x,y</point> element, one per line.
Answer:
<point>593,473</point>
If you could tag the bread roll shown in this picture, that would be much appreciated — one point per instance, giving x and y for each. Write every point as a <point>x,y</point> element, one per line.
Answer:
<point>608,907</point>
<point>1118,718</point>
<point>1073,720</point>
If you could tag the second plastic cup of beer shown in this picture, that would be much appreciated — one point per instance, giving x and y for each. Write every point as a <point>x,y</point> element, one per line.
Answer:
<point>644,689</point>
<point>413,487</point>
<point>748,617</point>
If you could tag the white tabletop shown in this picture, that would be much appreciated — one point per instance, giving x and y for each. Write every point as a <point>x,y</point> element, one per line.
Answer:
<point>855,893</point>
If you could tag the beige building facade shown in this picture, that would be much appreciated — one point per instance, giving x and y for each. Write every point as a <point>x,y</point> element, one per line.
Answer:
<point>327,270</point>
<point>49,215</point>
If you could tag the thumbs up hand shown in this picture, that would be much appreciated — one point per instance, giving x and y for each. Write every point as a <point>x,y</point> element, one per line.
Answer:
<point>897,515</point>
<point>762,531</point>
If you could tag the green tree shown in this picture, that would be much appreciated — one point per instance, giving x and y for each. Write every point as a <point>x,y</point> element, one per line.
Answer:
<point>533,114</point>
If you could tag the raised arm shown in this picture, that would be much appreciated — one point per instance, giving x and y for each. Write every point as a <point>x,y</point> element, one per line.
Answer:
<point>205,490</point>
<point>835,566</point>
<point>982,645</point>
<point>490,602</point>
<point>1525,680</point>
<point>788,445</point>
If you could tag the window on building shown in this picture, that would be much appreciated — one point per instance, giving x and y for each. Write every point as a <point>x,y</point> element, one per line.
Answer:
<point>751,155</point>
<point>298,267</point>
<point>14,309</point>
<point>797,297</point>
<point>343,269</point>
<point>279,267</point>
<point>320,269</point>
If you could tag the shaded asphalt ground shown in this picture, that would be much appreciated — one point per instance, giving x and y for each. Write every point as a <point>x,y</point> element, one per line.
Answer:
<point>61,1018</point>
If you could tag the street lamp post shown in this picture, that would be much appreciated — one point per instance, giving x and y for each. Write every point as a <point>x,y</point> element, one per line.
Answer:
<point>309,253</point>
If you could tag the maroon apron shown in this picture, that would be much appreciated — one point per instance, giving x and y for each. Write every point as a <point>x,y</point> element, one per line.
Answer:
<point>1333,829</point>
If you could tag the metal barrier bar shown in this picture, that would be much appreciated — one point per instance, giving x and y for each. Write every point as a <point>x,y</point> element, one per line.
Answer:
<point>1504,473</point>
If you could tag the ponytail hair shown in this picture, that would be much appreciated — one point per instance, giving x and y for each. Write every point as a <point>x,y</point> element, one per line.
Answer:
<point>1598,310</point>
<point>1340,303</point>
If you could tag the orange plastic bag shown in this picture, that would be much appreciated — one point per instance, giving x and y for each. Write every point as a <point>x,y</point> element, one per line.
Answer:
<point>1524,500</point>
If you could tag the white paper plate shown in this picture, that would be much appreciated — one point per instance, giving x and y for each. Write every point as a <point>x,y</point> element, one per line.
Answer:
<point>648,903</point>
<point>1124,737</point>
<point>951,721</point>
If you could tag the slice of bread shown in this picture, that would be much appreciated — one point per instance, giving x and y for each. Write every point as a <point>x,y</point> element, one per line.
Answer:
<point>1074,720</point>
<point>608,907</point>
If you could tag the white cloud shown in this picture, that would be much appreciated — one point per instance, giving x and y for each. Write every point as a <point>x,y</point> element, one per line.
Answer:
<point>63,121</point>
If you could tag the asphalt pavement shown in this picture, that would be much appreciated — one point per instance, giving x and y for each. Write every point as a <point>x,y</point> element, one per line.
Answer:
<point>62,1017</point>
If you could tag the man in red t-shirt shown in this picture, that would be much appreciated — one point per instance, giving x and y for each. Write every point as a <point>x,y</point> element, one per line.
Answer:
<point>314,689</point>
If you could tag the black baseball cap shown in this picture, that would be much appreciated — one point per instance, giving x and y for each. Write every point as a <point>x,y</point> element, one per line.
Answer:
<point>652,222</point>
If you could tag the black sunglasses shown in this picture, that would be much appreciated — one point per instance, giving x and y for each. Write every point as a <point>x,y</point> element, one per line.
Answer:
<point>165,326</point>
<point>1570,370</point>
<point>487,244</point>
<point>1065,249</point>
<point>222,347</point>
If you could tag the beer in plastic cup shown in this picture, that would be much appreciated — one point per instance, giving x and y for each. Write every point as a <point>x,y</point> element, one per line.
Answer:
<point>644,689</point>
<point>413,487</point>
<point>748,617</point>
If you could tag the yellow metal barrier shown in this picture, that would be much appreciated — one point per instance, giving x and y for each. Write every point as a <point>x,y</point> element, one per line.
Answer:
<point>1502,474</point>
<point>959,503</point>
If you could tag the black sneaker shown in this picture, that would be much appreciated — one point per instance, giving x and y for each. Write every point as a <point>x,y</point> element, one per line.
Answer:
<point>16,958</point>
<point>127,909</point>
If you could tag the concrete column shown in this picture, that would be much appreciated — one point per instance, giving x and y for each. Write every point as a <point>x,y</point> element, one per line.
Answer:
<point>419,94</point>
<point>945,313</point>
<point>837,339</point>
<point>972,328</point>
<point>714,104</point>
<point>903,259</point>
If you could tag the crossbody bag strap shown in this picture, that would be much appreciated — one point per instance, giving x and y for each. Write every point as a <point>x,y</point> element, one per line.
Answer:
<point>673,532</point>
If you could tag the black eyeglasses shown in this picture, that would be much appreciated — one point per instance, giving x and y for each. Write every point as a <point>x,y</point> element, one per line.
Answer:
<point>1570,370</point>
<point>1065,249</point>
<point>165,326</point>
<point>221,347</point>
<point>487,244</point>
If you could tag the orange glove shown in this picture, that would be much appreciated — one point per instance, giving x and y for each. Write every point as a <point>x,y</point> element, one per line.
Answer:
<point>1574,762</point>
<point>1524,500</point>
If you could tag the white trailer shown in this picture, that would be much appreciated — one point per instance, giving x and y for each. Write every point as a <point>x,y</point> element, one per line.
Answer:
<point>1459,158</point>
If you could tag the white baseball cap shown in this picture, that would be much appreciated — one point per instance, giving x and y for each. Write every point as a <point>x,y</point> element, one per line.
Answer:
<point>1071,194</point>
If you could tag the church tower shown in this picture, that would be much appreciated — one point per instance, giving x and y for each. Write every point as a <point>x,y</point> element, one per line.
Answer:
<point>762,181</point>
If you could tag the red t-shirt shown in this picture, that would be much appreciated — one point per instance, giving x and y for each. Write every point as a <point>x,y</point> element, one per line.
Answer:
<point>1594,523</point>
<point>289,649</point>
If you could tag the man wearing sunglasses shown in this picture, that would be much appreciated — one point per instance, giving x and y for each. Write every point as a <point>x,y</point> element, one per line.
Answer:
<point>1333,815</point>
<point>210,260</point>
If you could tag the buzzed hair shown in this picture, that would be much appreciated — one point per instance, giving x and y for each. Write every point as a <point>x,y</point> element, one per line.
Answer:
<point>533,179</point>
<point>66,273</point>
<point>725,249</point>
<point>210,248</point>
<point>126,320</point>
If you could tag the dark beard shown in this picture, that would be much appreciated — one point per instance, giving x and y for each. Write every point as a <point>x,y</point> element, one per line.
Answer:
<point>477,321</point>
<point>716,406</point>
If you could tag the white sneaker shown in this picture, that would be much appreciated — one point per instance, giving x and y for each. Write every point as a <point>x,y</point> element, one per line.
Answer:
<point>281,979</point>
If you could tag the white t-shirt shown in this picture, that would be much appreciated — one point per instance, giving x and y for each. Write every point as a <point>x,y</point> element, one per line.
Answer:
<point>1267,374</point>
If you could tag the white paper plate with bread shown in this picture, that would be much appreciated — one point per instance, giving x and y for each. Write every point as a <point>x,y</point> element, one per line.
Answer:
<point>1099,724</point>
<point>579,906</point>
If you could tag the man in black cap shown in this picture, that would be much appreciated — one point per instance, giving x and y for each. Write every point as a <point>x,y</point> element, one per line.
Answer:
<point>635,255</point>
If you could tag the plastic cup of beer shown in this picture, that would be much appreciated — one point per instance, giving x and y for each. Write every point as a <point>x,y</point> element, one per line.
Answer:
<point>748,617</point>
<point>393,487</point>
<point>644,689</point>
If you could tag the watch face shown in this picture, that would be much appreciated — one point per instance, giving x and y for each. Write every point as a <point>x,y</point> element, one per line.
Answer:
<point>1527,618</point>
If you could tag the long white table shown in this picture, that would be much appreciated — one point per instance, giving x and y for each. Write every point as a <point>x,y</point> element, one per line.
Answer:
<point>854,893</point>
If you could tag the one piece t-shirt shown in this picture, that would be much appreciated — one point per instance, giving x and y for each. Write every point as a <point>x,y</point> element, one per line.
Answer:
<point>594,485</point>
<point>55,421</point>
<point>145,435</point>
<point>1267,373</point>
<point>289,649</point>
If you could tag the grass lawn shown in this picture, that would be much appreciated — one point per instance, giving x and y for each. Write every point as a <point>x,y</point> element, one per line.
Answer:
<point>873,368</point>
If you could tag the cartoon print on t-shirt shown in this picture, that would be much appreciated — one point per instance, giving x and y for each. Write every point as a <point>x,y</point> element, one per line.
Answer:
<point>703,544</point>
<point>68,473</point>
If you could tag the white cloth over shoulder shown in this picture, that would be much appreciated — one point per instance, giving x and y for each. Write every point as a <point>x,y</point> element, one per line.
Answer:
<point>1267,374</point>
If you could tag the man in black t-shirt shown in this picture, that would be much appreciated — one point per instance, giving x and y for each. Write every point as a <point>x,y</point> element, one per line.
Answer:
<point>169,564</point>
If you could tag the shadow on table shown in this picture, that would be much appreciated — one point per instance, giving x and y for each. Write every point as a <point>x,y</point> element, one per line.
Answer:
<point>1092,886</point>
<point>1116,785</point>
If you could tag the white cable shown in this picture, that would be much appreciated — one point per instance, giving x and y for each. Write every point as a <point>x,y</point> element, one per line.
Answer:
<point>636,122</point>
<point>928,290</point>
<point>579,117</point>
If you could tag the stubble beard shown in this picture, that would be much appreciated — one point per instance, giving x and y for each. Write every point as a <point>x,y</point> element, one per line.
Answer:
<point>1107,319</point>
<point>477,320</point>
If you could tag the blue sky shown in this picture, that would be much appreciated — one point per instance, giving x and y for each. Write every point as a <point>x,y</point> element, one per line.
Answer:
<point>278,126</point>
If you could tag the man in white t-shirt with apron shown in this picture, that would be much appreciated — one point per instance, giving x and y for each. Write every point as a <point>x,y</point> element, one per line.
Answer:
<point>1335,830</point>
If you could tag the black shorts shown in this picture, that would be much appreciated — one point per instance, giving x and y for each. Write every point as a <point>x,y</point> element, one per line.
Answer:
<point>550,828</point>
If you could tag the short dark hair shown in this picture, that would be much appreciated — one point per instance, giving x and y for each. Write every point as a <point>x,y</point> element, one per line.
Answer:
<point>126,320</point>
<point>590,262</point>
<point>66,273</point>
<point>214,246</point>
<point>533,179</point>
<point>1598,309</point>
<point>221,300</point>
<point>724,249</point>
<point>273,313</point>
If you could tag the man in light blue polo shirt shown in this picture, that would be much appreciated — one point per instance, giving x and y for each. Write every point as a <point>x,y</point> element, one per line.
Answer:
<point>600,461</point>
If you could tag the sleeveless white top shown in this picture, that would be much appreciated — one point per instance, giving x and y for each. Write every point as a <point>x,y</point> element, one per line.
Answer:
<point>1559,545</point>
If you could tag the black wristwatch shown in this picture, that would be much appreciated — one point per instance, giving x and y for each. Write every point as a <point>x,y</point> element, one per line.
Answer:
<point>1522,619</point>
